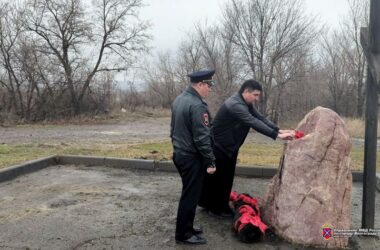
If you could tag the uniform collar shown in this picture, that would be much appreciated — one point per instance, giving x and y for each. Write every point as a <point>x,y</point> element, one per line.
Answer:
<point>192,91</point>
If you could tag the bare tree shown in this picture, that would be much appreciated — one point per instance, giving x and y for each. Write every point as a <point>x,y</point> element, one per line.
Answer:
<point>131,97</point>
<point>189,58</point>
<point>10,32</point>
<point>189,55</point>
<point>350,43</point>
<point>306,89</point>
<point>219,53</point>
<point>64,31</point>
<point>165,77</point>
<point>286,70</point>
<point>204,48</point>
<point>27,74</point>
<point>266,31</point>
<point>162,79</point>
<point>344,62</point>
<point>336,72</point>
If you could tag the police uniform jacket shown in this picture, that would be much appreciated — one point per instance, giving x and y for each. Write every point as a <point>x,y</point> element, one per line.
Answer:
<point>233,121</point>
<point>190,126</point>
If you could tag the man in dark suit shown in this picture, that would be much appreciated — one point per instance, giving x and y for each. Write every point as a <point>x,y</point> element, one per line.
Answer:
<point>232,123</point>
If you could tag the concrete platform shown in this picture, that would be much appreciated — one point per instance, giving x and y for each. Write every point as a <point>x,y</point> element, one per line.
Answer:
<point>98,207</point>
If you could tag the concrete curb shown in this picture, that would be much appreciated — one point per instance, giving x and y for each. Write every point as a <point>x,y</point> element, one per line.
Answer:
<point>129,163</point>
<point>107,161</point>
<point>357,176</point>
<point>165,166</point>
<point>248,171</point>
<point>79,159</point>
<point>241,170</point>
<point>28,167</point>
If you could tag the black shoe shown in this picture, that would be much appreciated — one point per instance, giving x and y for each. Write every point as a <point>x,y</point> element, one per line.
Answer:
<point>197,231</point>
<point>193,240</point>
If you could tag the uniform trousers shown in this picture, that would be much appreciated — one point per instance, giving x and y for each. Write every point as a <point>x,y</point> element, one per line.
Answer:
<point>192,172</point>
<point>217,187</point>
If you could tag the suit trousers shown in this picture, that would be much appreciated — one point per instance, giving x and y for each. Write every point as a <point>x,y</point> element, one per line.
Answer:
<point>217,187</point>
<point>192,172</point>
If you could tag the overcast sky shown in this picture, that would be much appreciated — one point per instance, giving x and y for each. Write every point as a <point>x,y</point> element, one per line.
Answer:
<point>171,19</point>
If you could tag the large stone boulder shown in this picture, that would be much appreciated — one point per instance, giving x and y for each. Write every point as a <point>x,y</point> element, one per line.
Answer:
<point>312,188</point>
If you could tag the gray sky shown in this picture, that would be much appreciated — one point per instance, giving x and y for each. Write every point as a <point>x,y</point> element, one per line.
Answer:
<point>171,19</point>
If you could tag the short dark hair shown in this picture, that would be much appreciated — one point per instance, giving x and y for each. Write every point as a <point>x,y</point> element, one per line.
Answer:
<point>250,85</point>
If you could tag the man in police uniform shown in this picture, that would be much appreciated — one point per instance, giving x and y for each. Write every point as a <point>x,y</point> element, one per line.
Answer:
<point>232,123</point>
<point>193,155</point>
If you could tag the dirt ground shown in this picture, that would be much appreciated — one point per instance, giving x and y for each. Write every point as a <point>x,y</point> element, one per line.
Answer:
<point>78,207</point>
<point>140,130</point>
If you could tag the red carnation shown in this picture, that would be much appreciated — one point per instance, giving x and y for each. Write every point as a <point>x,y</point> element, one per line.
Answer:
<point>299,134</point>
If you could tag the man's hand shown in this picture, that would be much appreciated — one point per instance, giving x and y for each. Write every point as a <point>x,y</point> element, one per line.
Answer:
<point>284,131</point>
<point>211,169</point>
<point>286,136</point>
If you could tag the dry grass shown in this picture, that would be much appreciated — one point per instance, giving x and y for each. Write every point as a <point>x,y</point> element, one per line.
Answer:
<point>15,154</point>
<point>356,127</point>
<point>255,154</point>
<point>260,154</point>
<point>115,116</point>
<point>289,124</point>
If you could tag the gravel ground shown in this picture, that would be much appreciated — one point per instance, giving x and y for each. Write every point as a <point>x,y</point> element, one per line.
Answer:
<point>78,207</point>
